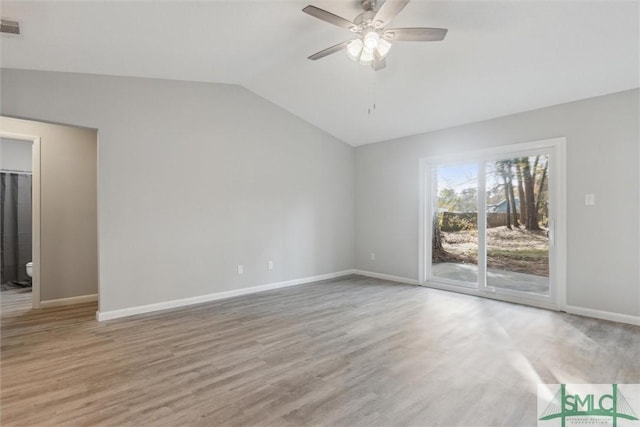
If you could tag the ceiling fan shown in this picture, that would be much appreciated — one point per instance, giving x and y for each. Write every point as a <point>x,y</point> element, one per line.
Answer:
<point>372,40</point>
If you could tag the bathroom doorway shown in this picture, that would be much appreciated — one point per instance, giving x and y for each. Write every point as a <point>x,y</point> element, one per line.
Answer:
<point>65,217</point>
<point>19,216</point>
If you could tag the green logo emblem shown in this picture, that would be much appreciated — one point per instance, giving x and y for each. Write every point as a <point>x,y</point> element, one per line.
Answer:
<point>590,407</point>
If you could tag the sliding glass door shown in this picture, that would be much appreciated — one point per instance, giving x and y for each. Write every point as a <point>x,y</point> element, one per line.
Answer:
<point>517,227</point>
<point>489,222</point>
<point>454,223</point>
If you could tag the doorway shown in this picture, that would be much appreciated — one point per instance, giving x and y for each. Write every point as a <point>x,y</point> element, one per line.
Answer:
<point>65,223</point>
<point>20,165</point>
<point>493,223</point>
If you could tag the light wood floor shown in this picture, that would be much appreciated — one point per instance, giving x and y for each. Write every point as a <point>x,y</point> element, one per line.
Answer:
<point>350,352</point>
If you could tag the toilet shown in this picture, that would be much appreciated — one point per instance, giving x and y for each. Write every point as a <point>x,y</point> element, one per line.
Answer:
<point>29,267</point>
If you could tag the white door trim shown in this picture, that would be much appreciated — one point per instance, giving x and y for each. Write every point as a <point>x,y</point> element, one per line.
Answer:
<point>35,210</point>
<point>557,168</point>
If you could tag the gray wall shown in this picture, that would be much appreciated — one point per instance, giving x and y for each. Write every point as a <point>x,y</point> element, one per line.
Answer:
<point>15,155</point>
<point>68,207</point>
<point>196,178</point>
<point>602,158</point>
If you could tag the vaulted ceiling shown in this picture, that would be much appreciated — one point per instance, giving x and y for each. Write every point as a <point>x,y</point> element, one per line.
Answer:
<point>499,57</point>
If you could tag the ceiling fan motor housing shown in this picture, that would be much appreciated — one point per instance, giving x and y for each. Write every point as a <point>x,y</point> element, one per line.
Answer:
<point>368,5</point>
<point>365,20</point>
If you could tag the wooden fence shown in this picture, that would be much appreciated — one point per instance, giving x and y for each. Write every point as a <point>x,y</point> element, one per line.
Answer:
<point>456,221</point>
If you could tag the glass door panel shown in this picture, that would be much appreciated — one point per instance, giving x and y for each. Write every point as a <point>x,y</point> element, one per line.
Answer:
<point>454,222</point>
<point>517,227</point>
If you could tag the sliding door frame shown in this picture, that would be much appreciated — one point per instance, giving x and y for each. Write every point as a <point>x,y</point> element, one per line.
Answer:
<point>557,229</point>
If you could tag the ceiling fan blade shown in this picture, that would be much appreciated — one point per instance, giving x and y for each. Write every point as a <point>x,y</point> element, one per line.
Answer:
<point>328,51</point>
<point>329,17</point>
<point>415,34</point>
<point>388,11</point>
<point>378,63</point>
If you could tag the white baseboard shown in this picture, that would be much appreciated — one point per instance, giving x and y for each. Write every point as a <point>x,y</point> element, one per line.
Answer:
<point>386,277</point>
<point>130,311</point>
<point>605,315</point>
<point>69,301</point>
<point>588,312</point>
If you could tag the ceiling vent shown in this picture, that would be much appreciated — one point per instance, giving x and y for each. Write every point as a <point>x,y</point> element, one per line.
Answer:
<point>8,26</point>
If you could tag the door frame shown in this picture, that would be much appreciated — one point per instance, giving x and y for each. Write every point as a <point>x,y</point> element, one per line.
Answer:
<point>35,210</point>
<point>558,231</point>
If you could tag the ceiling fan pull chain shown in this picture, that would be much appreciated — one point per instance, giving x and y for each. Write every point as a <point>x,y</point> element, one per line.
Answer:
<point>372,108</point>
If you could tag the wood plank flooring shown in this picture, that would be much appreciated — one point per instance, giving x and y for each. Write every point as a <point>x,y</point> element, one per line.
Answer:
<point>350,352</point>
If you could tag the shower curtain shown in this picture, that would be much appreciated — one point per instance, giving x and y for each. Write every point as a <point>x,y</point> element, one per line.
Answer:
<point>15,226</point>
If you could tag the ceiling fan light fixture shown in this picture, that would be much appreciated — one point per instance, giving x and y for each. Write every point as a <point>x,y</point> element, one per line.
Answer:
<point>367,56</point>
<point>383,48</point>
<point>371,40</point>
<point>363,51</point>
<point>354,49</point>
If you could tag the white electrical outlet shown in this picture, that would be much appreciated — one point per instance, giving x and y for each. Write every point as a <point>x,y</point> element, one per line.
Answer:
<point>240,269</point>
<point>270,265</point>
<point>372,256</point>
<point>589,199</point>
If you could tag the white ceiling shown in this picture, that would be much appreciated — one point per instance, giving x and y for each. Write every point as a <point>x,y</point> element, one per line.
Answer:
<point>499,57</point>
